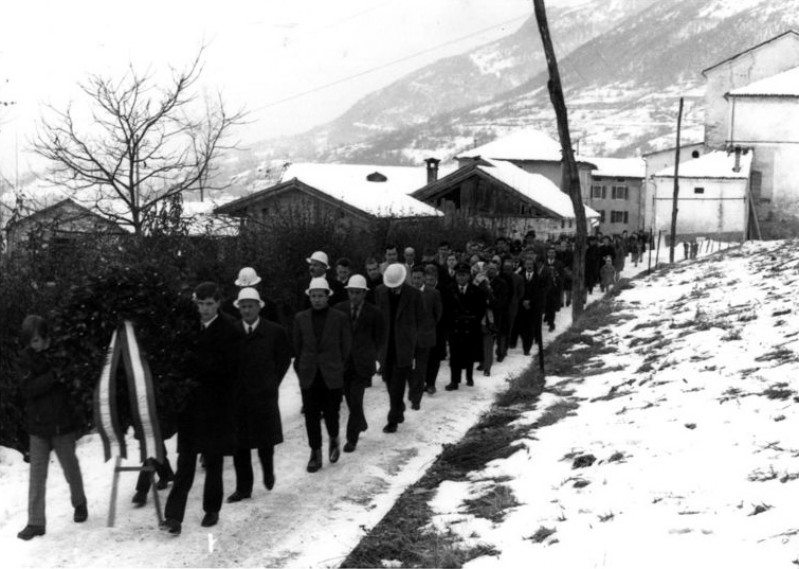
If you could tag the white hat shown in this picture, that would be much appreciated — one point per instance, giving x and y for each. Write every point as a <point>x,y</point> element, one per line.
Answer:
<point>249,293</point>
<point>319,257</point>
<point>357,282</point>
<point>318,283</point>
<point>394,275</point>
<point>247,277</point>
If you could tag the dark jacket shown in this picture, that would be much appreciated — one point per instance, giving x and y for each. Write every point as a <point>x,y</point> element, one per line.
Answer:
<point>466,313</point>
<point>206,425</point>
<point>264,359</point>
<point>535,289</point>
<point>48,410</point>
<point>328,355</point>
<point>409,317</point>
<point>433,309</point>
<point>367,337</point>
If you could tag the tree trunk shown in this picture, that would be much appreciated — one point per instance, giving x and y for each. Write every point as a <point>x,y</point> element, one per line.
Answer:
<point>674,208</point>
<point>571,177</point>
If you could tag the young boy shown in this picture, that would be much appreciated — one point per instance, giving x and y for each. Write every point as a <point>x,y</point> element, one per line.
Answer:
<point>51,425</point>
<point>607,275</point>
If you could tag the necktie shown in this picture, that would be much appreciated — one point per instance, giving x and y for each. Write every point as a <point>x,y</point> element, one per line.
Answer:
<point>354,314</point>
<point>249,329</point>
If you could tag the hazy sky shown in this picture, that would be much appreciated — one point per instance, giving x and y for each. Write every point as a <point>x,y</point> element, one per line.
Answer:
<point>262,55</point>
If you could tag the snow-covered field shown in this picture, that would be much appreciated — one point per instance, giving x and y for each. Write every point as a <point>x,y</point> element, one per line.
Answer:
<point>694,427</point>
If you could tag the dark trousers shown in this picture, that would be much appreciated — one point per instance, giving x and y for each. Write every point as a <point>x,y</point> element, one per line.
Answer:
<point>242,462</point>
<point>321,402</point>
<point>529,328</point>
<point>455,372</point>
<point>163,470</point>
<point>488,351</point>
<point>64,447</point>
<point>184,478</point>
<point>396,378</point>
<point>417,381</point>
<point>549,312</point>
<point>354,386</point>
<point>433,365</point>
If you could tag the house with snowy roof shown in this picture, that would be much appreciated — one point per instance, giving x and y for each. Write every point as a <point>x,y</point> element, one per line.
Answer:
<point>617,193</point>
<point>752,102</point>
<point>505,198</point>
<point>353,195</point>
<point>713,200</point>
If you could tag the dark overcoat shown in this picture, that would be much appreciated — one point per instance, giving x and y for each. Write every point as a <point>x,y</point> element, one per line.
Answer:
<point>206,424</point>
<point>48,409</point>
<point>367,337</point>
<point>264,359</point>
<point>408,321</point>
<point>433,310</point>
<point>466,337</point>
<point>328,355</point>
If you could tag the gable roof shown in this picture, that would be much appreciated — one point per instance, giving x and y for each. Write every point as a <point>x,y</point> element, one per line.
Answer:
<point>714,165</point>
<point>78,212</point>
<point>619,167</point>
<point>537,190</point>
<point>751,49</point>
<point>785,84</point>
<point>527,144</point>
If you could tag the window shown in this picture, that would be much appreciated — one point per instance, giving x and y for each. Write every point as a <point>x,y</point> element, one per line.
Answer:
<point>598,192</point>
<point>619,217</point>
<point>620,193</point>
<point>699,190</point>
<point>601,216</point>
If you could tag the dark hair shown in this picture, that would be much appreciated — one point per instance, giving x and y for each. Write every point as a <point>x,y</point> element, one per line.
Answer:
<point>443,244</point>
<point>431,270</point>
<point>417,268</point>
<point>370,261</point>
<point>503,239</point>
<point>207,290</point>
<point>343,262</point>
<point>390,246</point>
<point>34,325</point>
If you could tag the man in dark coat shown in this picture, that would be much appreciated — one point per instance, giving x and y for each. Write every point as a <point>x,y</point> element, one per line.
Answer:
<point>554,298</point>
<point>536,285</point>
<point>206,425</point>
<point>264,359</point>
<point>499,303</point>
<point>516,283</point>
<point>467,308</point>
<point>322,344</point>
<point>593,262</point>
<point>433,308</point>
<point>374,278</point>
<point>366,326</point>
<point>402,309</point>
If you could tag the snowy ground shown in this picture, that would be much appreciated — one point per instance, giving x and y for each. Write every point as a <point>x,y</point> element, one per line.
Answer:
<point>308,520</point>
<point>695,433</point>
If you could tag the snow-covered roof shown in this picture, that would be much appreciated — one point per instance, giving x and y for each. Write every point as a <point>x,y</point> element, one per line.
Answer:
<point>712,165</point>
<point>535,187</point>
<point>785,84</point>
<point>618,167</point>
<point>528,144</point>
<point>349,183</point>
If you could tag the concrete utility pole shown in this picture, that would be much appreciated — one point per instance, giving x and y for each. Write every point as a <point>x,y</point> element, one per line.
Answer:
<point>570,175</point>
<point>674,208</point>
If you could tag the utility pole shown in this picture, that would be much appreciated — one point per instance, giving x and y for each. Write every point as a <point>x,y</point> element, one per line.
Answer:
<point>674,208</point>
<point>570,175</point>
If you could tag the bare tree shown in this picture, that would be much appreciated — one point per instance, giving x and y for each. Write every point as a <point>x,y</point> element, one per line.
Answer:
<point>143,145</point>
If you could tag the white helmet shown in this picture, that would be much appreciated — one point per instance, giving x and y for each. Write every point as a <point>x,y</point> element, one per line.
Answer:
<point>357,282</point>
<point>394,275</point>
<point>247,277</point>
<point>249,293</point>
<point>318,283</point>
<point>319,257</point>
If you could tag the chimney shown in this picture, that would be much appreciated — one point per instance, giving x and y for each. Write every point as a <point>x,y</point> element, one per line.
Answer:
<point>432,169</point>
<point>737,167</point>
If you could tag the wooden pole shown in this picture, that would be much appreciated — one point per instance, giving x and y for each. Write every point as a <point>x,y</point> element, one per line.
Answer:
<point>570,175</point>
<point>676,186</point>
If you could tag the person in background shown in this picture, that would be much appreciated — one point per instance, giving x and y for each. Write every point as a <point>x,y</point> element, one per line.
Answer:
<point>374,278</point>
<point>531,310</point>
<point>554,298</point>
<point>402,309</point>
<point>51,425</point>
<point>366,327</point>
<point>433,308</point>
<point>390,256</point>
<point>565,255</point>
<point>409,257</point>
<point>607,275</point>
<point>264,356</point>
<point>499,297</point>
<point>439,351</point>
<point>467,305</point>
<point>516,284</point>
<point>339,283</point>
<point>206,425</point>
<point>322,344</point>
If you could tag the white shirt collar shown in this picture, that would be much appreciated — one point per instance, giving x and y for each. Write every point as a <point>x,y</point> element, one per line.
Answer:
<point>254,325</point>
<point>211,321</point>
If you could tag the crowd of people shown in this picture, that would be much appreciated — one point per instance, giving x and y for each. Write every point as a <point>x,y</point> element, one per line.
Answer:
<point>399,318</point>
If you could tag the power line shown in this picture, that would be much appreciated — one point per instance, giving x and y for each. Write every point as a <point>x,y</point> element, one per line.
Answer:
<point>385,65</point>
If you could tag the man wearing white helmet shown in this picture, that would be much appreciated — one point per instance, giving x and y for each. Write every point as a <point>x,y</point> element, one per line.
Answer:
<point>402,310</point>
<point>322,345</point>
<point>264,358</point>
<point>366,326</point>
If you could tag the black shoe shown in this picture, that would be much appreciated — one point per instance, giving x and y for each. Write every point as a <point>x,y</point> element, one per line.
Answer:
<point>451,387</point>
<point>551,327</point>
<point>81,513</point>
<point>470,382</point>
<point>210,519</point>
<point>335,450</point>
<point>29,532</point>
<point>269,480</point>
<point>430,389</point>
<point>500,359</point>
<point>487,373</point>
<point>162,483</point>
<point>315,463</point>
<point>349,446</point>
<point>526,352</point>
<point>139,499</point>
<point>390,428</point>
<point>416,405</point>
<point>238,496</point>
<point>479,367</point>
<point>170,525</point>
